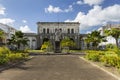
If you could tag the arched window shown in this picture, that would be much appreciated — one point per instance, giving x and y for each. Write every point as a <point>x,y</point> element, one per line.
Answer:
<point>68,30</point>
<point>72,30</point>
<point>60,30</point>
<point>47,31</point>
<point>44,30</point>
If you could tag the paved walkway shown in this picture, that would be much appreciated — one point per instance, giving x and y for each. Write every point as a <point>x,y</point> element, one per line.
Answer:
<point>55,67</point>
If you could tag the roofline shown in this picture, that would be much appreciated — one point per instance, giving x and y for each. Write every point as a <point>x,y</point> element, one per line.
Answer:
<point>58,22</point>
<point>8,26</point>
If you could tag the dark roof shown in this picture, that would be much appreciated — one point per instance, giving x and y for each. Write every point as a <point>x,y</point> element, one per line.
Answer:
<point>83,35</point>
<point>58,22</point>
<point>7,26</point>
<point>30,34</point>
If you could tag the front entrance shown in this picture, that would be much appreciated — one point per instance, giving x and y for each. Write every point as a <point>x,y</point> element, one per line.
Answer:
<point>57,48</point>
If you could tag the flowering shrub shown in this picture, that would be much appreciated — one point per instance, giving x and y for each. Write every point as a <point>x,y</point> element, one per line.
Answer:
<point>94,55</point>
<point>7,56</point>
<point>109,58</point>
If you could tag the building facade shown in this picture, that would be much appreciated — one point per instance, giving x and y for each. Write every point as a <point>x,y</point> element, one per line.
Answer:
<point>110,39</point>
<point>32,40</point>
<point>56,31</point>
<point>49,31</point>
<point>8,32</point>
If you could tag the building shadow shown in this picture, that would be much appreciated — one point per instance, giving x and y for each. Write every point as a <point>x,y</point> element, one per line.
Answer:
<point>50,54</point>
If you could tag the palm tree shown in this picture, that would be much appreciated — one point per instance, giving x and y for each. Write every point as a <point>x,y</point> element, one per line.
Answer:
<point>114,32</point>
<point>95,38</point>
<point>18,39</point>
<point>88,41</point>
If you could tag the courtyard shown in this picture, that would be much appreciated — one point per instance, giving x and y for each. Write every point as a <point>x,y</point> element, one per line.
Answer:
<point>55,67</point>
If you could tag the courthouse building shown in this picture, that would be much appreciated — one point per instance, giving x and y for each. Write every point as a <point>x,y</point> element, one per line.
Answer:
<point>56,31</point>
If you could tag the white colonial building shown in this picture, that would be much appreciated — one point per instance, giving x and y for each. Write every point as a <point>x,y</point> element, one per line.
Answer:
<point>110,39</point>
<point>8,31</point>
<point>32,40</point>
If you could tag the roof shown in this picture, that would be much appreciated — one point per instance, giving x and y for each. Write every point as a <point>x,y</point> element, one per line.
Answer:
<point>111,26</point>
<point>5,27</point>
<point>58,22</point>
<point>30,34</point>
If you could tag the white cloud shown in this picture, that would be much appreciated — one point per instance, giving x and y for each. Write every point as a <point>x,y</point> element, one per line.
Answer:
<point>98,16</point>
<point>7,21</point>
<point>70,8</point>
<point>52,9</point>
<point>2,10</point>
<point>79,2</point>
<point>26,29</point>
<point>24,21</point>
<point>93,2</point>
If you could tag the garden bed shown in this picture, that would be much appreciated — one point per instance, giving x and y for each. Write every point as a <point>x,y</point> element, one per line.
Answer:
<point>109,60</point>
<point>8,57</point>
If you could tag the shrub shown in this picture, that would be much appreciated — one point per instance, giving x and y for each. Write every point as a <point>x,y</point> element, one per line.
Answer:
<point>47,46</point>
<point>109,59</point>
<point>7,56</point>
<point>3,61</point>
<point>94,55</point>
<point>4,50</point>
<point>110,46</point>
<point>13,57</point>
<point>117,51</point>
<point>118,63</point>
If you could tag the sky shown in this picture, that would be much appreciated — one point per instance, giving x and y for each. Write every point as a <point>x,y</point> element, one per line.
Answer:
<point>91,14</point>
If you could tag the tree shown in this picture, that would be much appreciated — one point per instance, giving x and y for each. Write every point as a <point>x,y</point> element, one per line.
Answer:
<point>67,42</point>
<point>18,39</point>
<point>46,46</point>
<point>2,36</point>
<point>95,38</point>
<point>114,32</point>
<point>88,40</point>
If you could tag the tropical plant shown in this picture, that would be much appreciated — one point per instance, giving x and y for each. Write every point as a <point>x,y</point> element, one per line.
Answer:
<point>6,56</point>
<point>47,46</point>
<point>95,38</point>
<point>67,42</point>
<point>18,39</point>
<point>1,34</point>
<point>114,32</point>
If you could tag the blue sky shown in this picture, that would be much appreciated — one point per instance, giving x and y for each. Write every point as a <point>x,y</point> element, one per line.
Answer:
<point>24,14</point>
